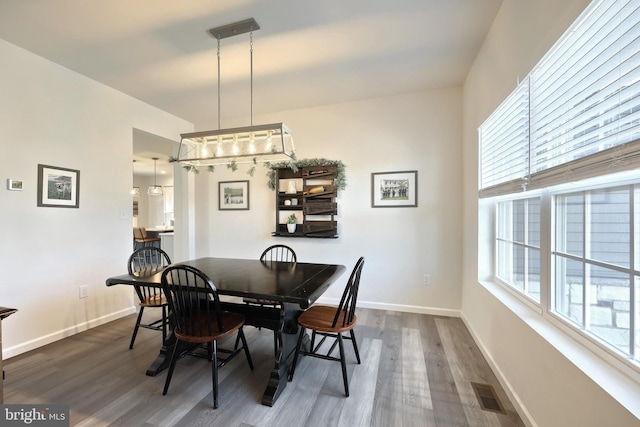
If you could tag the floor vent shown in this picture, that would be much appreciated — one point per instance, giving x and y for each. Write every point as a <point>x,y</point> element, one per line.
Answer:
<point>487,398</point>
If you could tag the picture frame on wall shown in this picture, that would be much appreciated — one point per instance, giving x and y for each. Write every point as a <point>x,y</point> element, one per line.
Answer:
<point>58,187</point>
<point>233,195</point>
<point>394,189</point>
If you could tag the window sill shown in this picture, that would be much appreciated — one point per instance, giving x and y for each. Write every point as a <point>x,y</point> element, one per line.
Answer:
<point>618,379</point>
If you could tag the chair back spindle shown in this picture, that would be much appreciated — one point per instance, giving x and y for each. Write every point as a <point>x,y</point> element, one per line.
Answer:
<point>347,308</point>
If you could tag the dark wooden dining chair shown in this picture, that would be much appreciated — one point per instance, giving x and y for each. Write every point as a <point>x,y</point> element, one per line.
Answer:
<point>282,253</point>
<point>148,260</point>
<point>195,307</point>
<point>332,322</point>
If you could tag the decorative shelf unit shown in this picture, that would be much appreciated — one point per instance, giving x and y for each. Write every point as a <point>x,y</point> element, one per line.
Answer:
<point>313,201</point>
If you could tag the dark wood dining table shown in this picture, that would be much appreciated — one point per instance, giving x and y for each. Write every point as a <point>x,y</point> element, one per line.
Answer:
<point>295,286</point>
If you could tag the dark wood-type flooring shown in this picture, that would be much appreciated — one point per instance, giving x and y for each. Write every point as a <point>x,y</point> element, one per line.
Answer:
<point>416,370</point>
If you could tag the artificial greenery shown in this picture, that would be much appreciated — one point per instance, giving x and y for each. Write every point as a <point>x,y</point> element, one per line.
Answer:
<point>233,165</point>
<point>292,219</point>
<point>188,168</point>
<point>340,180</point>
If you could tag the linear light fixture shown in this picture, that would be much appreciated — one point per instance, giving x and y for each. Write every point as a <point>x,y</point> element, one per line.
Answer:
<point>248,144</point>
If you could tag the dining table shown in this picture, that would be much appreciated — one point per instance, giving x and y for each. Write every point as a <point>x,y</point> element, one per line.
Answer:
<point>292,286</point>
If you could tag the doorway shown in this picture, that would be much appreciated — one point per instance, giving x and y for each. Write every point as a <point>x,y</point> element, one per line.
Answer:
<point>154,212</point>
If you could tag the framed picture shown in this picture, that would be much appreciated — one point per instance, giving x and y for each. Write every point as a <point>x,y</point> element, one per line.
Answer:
<point>394,189</point>
<point>233,195</point>
<point>58,187</point>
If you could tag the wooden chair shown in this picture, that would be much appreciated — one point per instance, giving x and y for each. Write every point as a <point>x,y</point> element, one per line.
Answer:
<point>280,253</point>
<point>330,322</point>
<point>195,307</point>
<point>149,259</point>
<point>142,239</point>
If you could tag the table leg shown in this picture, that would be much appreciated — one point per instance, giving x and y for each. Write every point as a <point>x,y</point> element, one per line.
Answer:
<point>288,337</point>
<point>162,360</point>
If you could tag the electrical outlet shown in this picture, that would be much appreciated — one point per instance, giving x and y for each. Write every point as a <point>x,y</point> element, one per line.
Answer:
<point>427,280</point>
<point>84,291</point>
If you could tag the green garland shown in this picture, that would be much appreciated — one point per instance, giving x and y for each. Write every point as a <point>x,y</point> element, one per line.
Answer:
<point>340,180</point>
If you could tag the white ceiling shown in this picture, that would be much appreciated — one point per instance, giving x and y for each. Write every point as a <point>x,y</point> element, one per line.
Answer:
<point>306,53</point>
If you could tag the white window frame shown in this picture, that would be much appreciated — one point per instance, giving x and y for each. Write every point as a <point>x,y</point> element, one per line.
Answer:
<point>545,309</point>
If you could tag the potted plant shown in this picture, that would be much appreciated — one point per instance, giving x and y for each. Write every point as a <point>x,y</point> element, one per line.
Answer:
<point>292,220</point>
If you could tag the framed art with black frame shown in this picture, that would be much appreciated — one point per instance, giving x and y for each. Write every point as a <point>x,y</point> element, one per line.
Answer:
<point>233,195</point>
<point>58,187</point>
<point>394,189</point>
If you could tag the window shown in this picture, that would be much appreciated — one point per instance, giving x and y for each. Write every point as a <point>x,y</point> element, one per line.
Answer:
<point>518,245</point>
<point>595,264</point>
<point>575,119</point>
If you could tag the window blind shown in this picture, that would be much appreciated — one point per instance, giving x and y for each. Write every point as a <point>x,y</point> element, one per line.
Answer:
<point>504,139</point>
<point>584,103</point>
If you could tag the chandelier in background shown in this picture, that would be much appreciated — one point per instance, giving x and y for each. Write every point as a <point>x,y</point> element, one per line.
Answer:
<point>155,189</point>
<point>248,144</point>
<point>135,191</point>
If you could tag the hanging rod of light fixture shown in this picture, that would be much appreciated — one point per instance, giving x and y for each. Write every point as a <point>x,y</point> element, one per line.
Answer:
<point>248,144</point>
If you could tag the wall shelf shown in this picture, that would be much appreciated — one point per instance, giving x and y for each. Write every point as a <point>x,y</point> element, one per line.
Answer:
<point>313,203</point>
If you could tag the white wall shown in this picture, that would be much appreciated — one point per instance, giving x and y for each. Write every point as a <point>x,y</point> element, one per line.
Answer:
<point>551,389</point>
<point>50,115</point>
<point>419,131</point>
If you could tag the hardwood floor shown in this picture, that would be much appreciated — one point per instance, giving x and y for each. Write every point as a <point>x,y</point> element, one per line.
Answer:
<point>416,370</point>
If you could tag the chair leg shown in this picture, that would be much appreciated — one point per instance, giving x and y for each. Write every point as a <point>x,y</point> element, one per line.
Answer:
<point>355,345</point>
<point>246,348</point>
<point>295,357</point>
<point>172,365</point>
<point>135,328</point>
<point>313,341</point>
<point>344,365</point>
<point>213,354</point>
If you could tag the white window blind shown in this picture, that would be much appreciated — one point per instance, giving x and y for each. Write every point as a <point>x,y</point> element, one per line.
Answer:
<point>504,139</point>
<point>584,103</point>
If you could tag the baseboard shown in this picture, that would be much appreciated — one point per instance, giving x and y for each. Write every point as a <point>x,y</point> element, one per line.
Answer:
<point>504,382</point>
<point>9,352</point>
<point>397,307</point>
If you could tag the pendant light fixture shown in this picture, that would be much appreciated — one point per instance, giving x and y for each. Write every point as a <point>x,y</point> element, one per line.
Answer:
<point>135,191</point>
<point>155,189</point>
<point>249,144</point>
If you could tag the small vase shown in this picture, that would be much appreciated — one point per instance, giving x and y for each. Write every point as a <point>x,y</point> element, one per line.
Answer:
<point>291,228</point>
<point>291,189</point>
